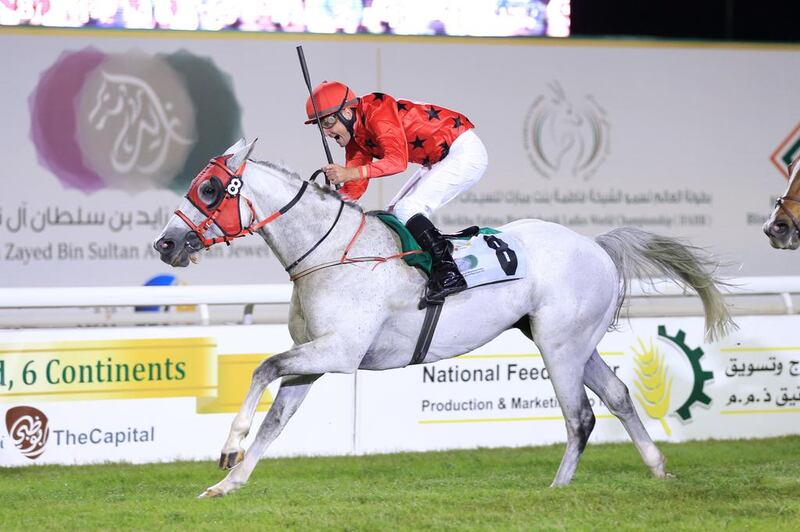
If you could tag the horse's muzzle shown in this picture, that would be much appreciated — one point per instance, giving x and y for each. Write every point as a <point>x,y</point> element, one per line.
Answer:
<point>780,235</point>
<point>175,250</point>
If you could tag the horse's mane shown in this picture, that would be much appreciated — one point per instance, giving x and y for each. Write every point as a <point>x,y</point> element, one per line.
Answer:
<point>291,174</point>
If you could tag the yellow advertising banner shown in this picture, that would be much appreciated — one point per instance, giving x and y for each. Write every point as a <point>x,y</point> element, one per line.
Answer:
<point>128,369</point>
<point>234,373</point>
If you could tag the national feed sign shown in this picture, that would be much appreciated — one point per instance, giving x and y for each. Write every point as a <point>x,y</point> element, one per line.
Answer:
<point>145,395</point>
<point>747,385</point>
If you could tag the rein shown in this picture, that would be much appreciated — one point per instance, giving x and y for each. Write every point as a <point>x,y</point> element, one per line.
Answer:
<point>307,253</point>
<point>780,203</point>
<point>348,260</point>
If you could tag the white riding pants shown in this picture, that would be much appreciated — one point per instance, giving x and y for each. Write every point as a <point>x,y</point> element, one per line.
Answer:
<point>431,188</point>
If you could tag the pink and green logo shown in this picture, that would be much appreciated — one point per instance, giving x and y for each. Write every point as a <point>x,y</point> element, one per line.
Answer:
<point>131,121</point>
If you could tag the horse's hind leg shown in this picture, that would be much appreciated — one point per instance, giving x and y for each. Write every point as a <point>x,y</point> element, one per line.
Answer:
<point>613,392</point>
<point>291,394</point>
<point>565,361</point>
<point>578,417</point>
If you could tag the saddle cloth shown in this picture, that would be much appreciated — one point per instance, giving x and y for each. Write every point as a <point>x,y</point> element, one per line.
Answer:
<point>488,257</point>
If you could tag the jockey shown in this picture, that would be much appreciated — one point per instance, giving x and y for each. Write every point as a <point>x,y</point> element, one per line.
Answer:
<point>381,135</point>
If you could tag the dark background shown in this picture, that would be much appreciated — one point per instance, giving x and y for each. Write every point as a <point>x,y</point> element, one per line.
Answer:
<point>738,20</point>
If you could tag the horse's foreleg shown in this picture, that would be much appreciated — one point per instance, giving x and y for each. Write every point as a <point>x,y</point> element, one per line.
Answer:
<point>232,452</point>
<point>291,394</point>
<point>304,364</point>
<point>613,392</point>
<point>312,358</point>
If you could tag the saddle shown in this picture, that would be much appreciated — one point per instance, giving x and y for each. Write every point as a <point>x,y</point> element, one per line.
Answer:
<point>483,256</point>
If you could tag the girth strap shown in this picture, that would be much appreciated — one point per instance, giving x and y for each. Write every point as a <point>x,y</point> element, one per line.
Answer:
<point>432,313</point>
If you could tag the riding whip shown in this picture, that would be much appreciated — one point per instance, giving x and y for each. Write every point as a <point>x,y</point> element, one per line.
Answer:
<point>307,78</point>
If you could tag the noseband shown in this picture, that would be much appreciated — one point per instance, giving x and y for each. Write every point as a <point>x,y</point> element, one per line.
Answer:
<point>780,204</point>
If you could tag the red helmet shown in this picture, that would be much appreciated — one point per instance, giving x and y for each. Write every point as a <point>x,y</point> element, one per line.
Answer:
<point>330,97</point>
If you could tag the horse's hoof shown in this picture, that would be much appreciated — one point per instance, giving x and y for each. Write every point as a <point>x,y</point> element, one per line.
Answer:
<point>211,493</point>
<point>230,460</point>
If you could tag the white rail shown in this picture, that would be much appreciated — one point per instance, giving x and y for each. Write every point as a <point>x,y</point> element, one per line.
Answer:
<point>741,286</point>
<point>145,296</point>
<point>653,299</point>
<point>119,296</point>
<point>122,296</point>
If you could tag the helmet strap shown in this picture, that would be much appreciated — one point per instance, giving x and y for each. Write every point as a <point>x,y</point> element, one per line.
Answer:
<point>348,123</point>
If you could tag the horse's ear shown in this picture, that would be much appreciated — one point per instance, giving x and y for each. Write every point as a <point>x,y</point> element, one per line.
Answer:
<point>239,153</point>
<point>241,143</point>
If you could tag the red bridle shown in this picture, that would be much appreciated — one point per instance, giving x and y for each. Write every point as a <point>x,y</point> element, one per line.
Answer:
<point>225,213</point>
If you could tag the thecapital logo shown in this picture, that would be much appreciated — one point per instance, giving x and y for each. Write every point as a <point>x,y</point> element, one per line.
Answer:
<point>786,152</point>
<point>131,121</point>
<point>28,429</point>
<point>655,378</point>
<point>565,138</point>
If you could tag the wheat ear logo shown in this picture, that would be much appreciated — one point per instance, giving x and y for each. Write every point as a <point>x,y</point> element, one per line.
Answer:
<point>654,383</point>
<point>654,378</point>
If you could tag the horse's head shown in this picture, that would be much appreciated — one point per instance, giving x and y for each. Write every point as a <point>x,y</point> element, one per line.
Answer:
<point>216,209</point>
<point>783,226</point>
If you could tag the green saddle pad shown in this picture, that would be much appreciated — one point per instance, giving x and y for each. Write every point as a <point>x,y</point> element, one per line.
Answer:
<point>408,243</point>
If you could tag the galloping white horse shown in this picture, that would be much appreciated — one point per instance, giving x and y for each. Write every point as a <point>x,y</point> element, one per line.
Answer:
<point>345,318</point>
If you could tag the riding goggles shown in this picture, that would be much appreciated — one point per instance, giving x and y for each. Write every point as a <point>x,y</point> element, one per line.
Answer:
<point>328,121</point>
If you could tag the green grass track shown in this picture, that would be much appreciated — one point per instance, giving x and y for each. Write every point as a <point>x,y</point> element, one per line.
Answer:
<point>736,485</point>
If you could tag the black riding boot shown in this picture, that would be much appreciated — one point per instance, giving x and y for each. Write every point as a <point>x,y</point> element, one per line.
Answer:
<point>445,277</point>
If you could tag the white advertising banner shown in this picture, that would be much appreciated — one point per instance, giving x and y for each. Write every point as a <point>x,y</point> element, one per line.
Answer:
<point>103,130</point>
<point>146,394</point>
<point>745,386</point>
<point>151,394</point>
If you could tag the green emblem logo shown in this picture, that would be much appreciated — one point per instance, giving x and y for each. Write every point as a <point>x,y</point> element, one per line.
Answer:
<point>655,377</point>
<point>788,151</point>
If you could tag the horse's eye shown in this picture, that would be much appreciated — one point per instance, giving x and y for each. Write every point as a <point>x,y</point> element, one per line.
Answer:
<point>208,192</point>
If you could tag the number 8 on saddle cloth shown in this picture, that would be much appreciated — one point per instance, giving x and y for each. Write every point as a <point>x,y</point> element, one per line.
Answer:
<point>489,258</point>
